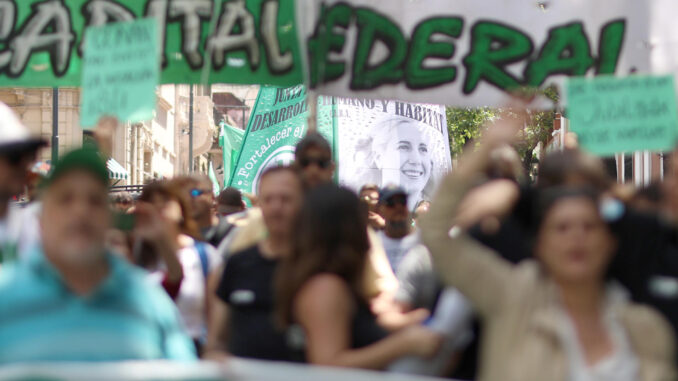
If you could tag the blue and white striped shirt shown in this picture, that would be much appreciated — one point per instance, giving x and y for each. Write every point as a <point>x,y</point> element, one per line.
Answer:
<point>125,318</point>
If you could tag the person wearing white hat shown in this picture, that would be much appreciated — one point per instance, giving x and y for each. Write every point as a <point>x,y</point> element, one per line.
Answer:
<point>18,150</point>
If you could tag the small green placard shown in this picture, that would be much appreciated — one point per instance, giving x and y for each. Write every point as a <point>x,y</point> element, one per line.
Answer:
<point>120,72</point>
<point>612,115</point>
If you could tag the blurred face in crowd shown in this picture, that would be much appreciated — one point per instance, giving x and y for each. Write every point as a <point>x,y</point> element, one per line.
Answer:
<point>169,209</point>
<point>316,166</point>
<point>395,212</point>
<point>574,244</point>
<point>202,199</point>
<point>280,198</point>
<point>14,172</point>
<point>122,206</point>
<point>371,198</point>
<point>75,218</point>
<point>421,209</point>
<point>410,150</point>
<point>226,210</point>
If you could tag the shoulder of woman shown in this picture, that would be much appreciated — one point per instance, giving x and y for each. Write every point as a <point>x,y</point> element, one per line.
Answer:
<point>650,333</point>
<point>324,291</point>
<point>185,241</point>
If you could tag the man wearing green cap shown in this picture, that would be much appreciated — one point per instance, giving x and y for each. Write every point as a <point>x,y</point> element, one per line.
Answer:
<point>71,300</point>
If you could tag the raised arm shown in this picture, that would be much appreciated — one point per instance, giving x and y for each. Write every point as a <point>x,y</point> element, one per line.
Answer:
<point>480,274</point>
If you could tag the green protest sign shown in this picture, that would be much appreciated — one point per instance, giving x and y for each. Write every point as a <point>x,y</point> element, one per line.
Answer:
<point>611,115</point>
<point>238,41</point>
<point>277,123</point>
<point>120,72</point>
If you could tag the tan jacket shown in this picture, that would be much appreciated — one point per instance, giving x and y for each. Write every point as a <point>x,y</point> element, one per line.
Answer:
<point>519,305</point>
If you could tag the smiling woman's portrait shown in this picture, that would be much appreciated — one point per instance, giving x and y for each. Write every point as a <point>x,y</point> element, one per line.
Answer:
<point>397,150</point>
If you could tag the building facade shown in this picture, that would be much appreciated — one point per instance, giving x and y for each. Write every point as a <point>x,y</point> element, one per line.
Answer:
<point>152,149</point>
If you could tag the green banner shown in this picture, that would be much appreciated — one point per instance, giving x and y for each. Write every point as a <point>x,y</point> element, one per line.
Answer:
<point>237,41</point>
<point>277,123</point>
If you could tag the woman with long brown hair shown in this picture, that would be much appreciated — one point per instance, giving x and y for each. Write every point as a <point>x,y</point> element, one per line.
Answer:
<point>183,264</point>
<point>320,297</point>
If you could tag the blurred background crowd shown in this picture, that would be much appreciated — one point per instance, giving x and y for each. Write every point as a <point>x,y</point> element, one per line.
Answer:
<point>496,278</point>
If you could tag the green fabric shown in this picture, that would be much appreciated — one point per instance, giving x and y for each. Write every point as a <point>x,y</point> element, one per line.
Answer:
<point>238,65</point>
<point>8,252</point>
<point>230,140</point>
<point>277,123</point>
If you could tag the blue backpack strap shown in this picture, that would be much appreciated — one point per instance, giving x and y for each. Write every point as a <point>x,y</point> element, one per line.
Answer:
<point>204,261</point>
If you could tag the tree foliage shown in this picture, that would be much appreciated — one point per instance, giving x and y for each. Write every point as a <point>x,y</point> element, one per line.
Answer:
<point>464,125</point>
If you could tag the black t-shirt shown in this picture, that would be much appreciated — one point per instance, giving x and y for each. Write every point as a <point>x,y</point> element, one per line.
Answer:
<point>365,331</point>
<point>247,287</point>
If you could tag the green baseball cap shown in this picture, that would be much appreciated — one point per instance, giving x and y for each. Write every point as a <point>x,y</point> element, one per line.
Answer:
<point>86,159</point>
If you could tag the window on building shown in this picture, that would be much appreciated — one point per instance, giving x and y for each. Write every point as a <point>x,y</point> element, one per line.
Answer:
<point>161,116</point>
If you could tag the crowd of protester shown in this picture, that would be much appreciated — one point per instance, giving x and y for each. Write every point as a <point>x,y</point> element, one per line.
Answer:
<point>569,278</point>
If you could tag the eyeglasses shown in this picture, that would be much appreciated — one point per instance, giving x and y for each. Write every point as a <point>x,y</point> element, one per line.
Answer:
<point>197,192</point>
<point>396,200</point>
<point>321,163</point>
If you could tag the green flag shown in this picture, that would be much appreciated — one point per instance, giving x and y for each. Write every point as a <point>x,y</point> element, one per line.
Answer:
<point>277,123</point>
<point>213,177</point>
<point>230,140</point>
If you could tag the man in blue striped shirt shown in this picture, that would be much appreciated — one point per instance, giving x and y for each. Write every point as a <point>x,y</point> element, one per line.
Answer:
<point>73,301</point>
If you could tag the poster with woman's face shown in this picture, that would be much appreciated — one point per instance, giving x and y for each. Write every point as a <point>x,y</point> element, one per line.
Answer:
<point>392,142</point>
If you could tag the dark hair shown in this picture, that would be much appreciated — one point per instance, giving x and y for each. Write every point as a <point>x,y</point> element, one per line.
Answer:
<point>547,198</point>
<point>651,192</point>
<point>558,166</point>
<point>331,237</point>
<point>312,140</point>
<point>172,190</point>
<point>230,196</point>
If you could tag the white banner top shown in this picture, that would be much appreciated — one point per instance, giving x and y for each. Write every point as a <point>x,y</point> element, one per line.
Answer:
<point>471,53</point>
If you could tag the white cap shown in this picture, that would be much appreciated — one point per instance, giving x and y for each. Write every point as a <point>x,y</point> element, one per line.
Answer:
<point>14,136</point>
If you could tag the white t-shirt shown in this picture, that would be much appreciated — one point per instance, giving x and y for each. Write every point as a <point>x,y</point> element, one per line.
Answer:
<point>621,365</point>
<point>396,248</point>
<point>191,298</point>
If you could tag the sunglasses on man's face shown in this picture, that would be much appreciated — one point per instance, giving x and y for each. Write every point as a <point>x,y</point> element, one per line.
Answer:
<point>396,200</point>
<point>197,192</point>
<point>305,162</point>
